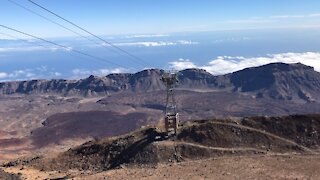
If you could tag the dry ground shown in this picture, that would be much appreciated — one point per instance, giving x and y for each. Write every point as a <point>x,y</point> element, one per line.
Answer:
<point>244,167</point>
<point>22,114</point>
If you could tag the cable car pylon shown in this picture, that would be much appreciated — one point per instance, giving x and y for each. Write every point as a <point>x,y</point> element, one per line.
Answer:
<point>169,78</point>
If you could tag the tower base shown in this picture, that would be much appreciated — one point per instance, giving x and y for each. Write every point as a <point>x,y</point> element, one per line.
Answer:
<point>172,123</point>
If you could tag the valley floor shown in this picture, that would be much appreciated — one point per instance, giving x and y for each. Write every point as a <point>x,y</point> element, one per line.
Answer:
<point>242,167</point>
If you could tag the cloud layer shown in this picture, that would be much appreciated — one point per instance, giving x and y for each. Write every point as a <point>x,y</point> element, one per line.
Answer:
<point>287,21</point>
<point>32,49</point>
<point>254,20</point>
<point>3,75</point>
<point>158,43</point>
<point>27,74</point>
<point>219,65</point>
<point>84,73</point>
<point>228,64</point>
<point>146,36</point>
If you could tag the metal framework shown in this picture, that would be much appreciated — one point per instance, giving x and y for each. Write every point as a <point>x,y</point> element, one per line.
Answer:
<point>171,114</point>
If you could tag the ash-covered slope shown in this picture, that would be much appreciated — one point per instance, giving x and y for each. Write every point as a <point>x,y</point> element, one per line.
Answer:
<point>95,124</point>
<point>195,140</point>
<point>278,81</point>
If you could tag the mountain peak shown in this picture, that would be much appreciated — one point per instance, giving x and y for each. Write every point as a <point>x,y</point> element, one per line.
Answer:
<point>278,66</point>
<point>148,72</point>
<point>279,81</point>
<point>195,70</point>
<point>91,77</point>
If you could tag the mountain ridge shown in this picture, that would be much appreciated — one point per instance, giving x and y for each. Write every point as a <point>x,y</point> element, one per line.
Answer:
<point>276,80</point>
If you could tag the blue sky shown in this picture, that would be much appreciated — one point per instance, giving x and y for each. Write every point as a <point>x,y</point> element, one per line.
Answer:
<point>220,36</point>
<point>165,16</point>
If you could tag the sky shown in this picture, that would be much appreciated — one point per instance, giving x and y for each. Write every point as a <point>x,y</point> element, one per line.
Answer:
<point>211,34</point>
<point>165,16</point>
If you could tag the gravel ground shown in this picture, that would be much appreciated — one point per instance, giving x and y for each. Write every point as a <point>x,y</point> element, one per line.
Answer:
<point>251,167</point>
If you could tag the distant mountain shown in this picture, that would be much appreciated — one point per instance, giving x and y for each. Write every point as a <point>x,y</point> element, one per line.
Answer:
<point>279,81</point>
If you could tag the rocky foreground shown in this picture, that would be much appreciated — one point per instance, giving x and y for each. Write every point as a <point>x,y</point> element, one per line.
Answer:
<point>274,138</point>
<point>8,176</point>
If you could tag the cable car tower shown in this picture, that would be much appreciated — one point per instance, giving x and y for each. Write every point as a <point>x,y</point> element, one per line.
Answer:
<point>171,114</point>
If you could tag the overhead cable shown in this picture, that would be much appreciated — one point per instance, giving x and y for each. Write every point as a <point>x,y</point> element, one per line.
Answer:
<point>137,59</point>
<point>61,46</point>
<point>54,22</point>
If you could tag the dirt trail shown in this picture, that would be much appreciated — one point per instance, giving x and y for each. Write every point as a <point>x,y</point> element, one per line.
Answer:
<point>174,143</point>
<point>34,174</point>
<point>268,134</point>
<point>246,167</point>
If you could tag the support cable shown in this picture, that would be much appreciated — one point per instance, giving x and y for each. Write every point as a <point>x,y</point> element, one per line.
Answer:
<point>61,46</point>
<point>137,59</point>
<point>58,24</point>
<point>37,44</point>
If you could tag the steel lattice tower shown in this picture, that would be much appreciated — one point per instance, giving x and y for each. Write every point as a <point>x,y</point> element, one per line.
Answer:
<point>171,114</point>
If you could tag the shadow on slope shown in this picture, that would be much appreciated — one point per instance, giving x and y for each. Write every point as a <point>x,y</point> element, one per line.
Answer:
<point>7,176</point>
<point>196,140</point>
<point>97,124</point>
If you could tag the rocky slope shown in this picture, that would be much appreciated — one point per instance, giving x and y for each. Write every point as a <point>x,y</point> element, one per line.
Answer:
<point>96,124</point>
<point>277,81</point>
<point>8,176</point>
<point>195,140</point>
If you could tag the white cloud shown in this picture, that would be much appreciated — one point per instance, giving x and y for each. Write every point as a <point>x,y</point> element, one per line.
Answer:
<point>249,21</point>
<point>271,19</point>
<point>22,74</point>
<point>21,49</point>
<point>17,73</point>
<point>27,74</point>
<point>81,72</point>
<point>228,64</point>
<point>232,39</point>
<point>295,16</point>
<point>287,16</point>
<point>84,73</point>
<point>193,27</point>
<point>185,42</point>
<point>68,49</point>
<point>182,64</point>
<point>30,75</point>
<point>314,15</point>
<point>32,48</point>
<point>42,69</point>
<point>158,43</point>
<point>147,36</point>
<point>104,72</point>
<point>56,74</point>
<point>3,75</point>
<point>147,43</point>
